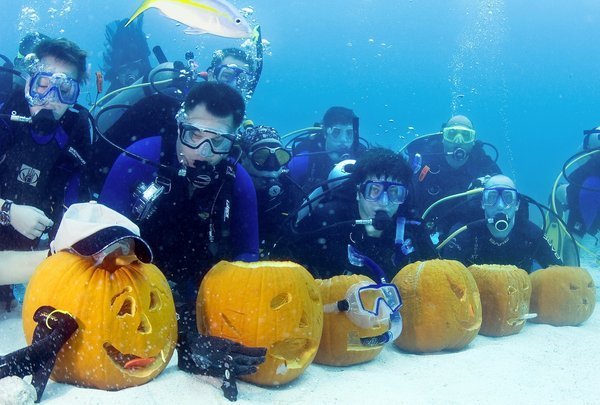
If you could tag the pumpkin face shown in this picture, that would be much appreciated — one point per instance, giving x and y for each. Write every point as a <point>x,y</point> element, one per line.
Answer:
<point>264,304</point>
<point>505,292</point>
<point>125,315</point>
<point>441,306</point>
<point>562,296</point>
<point>340,335</point>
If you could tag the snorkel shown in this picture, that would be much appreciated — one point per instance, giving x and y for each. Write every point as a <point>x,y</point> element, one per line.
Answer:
<point>395,319</point>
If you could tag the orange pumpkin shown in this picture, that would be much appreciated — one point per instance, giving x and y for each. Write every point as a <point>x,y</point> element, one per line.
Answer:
<point>264,304</point>
<point>125,314</point>
<point>442,307</point>
<point>338,343</point>
<point>505,292</point>
<point>562,296</point>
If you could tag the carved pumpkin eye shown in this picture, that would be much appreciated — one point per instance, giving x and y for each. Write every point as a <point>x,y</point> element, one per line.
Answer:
<point>155,301</point>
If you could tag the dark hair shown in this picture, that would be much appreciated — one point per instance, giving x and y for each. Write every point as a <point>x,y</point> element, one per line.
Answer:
<point>221,54</point>
<point>338,115</point>
<point>125,46</point>
<point>65,51</point>
<point>380,162</point>
<point>220,99</point>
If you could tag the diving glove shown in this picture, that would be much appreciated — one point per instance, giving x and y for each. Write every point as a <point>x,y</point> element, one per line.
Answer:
<point>219,357</point>
<point>53,329</point>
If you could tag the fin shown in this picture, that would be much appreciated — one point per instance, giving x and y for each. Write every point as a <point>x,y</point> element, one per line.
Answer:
<point>560,241</point>
<point>194,31</point>
<point>145,6</point>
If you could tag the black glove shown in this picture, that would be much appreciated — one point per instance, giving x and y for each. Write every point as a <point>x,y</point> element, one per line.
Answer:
<point>219,357</point>
<point>51,333</point>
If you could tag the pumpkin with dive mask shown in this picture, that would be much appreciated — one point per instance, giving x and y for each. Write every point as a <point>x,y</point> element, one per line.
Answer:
<point>505,293</point>
<point>562,296</point>
<point>264,304</point>
<point>125,312</point>
<point>442,307</point>
<point>340,342</point>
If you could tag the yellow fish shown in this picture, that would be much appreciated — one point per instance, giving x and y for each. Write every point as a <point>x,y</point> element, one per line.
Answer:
<point>216,17</point>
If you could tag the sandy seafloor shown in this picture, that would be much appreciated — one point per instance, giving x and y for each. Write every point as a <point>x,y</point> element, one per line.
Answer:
<point>541,364</point>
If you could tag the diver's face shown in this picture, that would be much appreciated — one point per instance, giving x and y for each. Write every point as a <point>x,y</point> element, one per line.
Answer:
<point>228,60</point>
<point>53,65</point>
<point>338,141</point>
<point>199,116</point>
<point>367,209</point>
<point>497,199</point>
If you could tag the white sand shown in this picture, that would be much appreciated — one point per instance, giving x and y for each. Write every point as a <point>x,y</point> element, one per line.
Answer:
<point>542,364</point>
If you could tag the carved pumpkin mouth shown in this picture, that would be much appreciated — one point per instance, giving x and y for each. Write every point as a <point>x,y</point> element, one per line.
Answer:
<point>133,365</point>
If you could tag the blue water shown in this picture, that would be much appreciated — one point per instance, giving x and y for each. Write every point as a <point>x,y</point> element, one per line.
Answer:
<point>525,72</point>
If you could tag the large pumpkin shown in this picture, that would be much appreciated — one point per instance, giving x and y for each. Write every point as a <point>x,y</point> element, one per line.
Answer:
<point>442,308</point>
<point>126,316</point>
<point>562,296</point>
<point>505,292</point>
<point>264,304</point>
<point>338,344</point>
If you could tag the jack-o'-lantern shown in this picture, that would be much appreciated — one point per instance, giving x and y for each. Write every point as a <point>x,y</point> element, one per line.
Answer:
<point>442,307</point>
<point>562,296</point>
<point>126,316</point>
<point>505,292</point>
<point>264,304</point>
<point>340,342</point>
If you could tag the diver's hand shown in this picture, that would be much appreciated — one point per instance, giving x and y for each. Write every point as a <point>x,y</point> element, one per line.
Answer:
<point>219,357</point>
<point>29,221</point>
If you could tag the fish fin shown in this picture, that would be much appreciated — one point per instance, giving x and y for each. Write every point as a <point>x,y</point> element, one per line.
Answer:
<point>194,31</point>
<point>145,6</point>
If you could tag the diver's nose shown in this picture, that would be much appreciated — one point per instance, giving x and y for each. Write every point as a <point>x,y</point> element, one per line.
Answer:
<point>384,200</point>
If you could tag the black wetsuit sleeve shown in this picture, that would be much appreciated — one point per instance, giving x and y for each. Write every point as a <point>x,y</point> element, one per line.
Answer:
<point>543,252</point>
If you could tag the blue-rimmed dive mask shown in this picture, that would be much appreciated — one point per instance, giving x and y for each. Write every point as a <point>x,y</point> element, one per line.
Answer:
<point>206,141</point>
<point>368,305</point>
<point>45,87</point>
<point>379,191</point>
<point>233,76</point>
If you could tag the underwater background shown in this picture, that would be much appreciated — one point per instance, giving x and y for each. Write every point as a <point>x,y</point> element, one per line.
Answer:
<point>525,72</point>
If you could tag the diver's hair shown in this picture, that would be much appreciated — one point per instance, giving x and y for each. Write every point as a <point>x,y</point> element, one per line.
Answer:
<point>125,46</point>
<point>65,51</point>
<point>338,115</point>
<point>220,99</point>
<point>380,162</point>
<point>221,54</point>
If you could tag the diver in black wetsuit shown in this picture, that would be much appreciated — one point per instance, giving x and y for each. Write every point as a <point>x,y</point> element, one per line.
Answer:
<point>376,195</point>
<point>503,237</point>
<point>447,164</point>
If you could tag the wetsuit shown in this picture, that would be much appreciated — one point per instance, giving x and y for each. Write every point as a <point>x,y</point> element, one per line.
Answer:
<point>46,171</point>
<point>525,247</point>
<point>583,196</point>
<point>436,179</point>
<point>322,247</point>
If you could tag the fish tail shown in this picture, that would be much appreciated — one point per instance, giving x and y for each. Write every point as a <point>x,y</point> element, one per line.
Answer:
<point>145,6</point>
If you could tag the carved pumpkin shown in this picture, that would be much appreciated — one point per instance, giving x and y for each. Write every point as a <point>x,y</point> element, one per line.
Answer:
<point>562,296</point>
<point>505,292</point>
<point>126,316</point>
<point>442,308</point>
<point>264,304</point>
<point>338,343</point>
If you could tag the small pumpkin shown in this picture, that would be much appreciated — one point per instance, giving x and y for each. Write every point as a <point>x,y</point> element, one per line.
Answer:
<point>264,304</point>
<point>338,343</point>
<point>126,316</point>
<point>442,307</point>
<point>562,296</point>
<point>505,292</point>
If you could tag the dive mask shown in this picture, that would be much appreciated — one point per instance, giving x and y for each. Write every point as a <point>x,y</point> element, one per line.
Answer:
<point>338,132</point>
<point>265,158</point>
<point>458,134</point>
<point>374,191</point>
<point>207,141</point>
<point>47,86</point>
<point>509,196</point>
<point>233,76</point>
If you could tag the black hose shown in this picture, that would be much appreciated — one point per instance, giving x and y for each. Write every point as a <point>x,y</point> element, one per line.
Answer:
<point>569,161</point>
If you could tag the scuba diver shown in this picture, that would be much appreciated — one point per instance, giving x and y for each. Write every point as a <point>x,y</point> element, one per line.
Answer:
<point>265,159</point>
<point>236,68</point>
<point>368,209</point>
<point>191,197</point>
<point>502,237</point>
<point>126,54</point>
<point>445,164</point>
<point>316,153</point>
<point>44,147</point>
